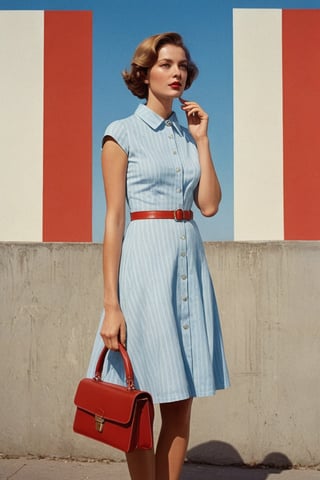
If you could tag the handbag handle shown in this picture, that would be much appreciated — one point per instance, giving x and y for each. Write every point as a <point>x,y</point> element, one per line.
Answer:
<point>126,362</point>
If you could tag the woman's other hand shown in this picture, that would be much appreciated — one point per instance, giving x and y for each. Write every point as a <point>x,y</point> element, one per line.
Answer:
<point>113,328</point>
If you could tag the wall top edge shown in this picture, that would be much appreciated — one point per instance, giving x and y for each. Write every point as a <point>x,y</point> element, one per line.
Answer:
<point>310,243</point>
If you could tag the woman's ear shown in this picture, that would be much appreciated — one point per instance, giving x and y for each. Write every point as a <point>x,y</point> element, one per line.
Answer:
<point>142,75</point>
<point>146,79</point>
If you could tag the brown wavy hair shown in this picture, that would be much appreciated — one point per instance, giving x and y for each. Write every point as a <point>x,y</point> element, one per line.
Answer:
<point>146,55</point>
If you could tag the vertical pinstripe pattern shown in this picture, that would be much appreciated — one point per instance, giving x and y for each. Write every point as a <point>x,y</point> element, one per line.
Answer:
<point>166,293</point>
<point>21,125</point>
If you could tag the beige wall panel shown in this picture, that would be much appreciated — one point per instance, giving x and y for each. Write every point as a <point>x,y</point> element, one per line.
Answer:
<point>21,125</point>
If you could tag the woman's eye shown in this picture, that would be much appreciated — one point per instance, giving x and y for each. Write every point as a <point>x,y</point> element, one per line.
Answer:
<point>166,65</point>
<point>184,66</point>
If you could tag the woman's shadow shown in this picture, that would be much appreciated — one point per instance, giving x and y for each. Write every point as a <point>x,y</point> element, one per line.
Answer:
<point>221,460</point>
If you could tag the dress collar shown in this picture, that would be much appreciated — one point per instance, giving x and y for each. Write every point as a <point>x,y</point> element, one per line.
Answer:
<point>155,121</point>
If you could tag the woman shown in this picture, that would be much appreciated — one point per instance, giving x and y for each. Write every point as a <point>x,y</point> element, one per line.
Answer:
<point>158,295</point>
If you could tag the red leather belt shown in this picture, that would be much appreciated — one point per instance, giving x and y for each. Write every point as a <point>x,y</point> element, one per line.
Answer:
<point>177,215</point>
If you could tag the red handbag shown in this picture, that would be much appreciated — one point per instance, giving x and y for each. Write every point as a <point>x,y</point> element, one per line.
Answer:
<point>113,414</point>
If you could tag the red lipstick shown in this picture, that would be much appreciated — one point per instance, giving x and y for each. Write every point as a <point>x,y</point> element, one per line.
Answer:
<point>175,85</point>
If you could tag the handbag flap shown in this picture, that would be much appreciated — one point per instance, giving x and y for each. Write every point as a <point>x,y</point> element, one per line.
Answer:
<point>114,403</point>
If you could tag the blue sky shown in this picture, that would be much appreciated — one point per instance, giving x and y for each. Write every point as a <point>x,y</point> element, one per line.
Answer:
<point>206,25</point>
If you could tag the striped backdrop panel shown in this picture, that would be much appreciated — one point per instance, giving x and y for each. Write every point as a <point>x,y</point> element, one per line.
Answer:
<point>46,118</point>
<point>45,122</point>
<point>276,133</point>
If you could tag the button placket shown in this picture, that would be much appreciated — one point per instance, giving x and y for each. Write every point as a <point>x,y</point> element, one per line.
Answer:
<point>183,299</point>
<point>178,165</point>
<point>183,272</point>
<point>179,187</point>
<point>184,292</point>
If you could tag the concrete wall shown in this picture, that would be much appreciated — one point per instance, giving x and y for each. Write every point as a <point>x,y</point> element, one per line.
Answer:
<point>268,293</point>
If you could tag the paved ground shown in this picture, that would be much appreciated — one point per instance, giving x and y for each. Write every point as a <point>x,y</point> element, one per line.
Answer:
<point>45,469</point>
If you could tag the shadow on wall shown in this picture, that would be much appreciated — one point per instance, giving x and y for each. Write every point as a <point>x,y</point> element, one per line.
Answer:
<point>221,453</point>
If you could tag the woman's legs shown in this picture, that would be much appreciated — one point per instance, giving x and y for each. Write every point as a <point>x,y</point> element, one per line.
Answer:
<point>141,464</point>
<point>171,448</point>
<point>173,439</point>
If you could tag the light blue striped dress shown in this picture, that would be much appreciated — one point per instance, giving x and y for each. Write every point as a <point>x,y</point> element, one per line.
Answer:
<point>166,294</point>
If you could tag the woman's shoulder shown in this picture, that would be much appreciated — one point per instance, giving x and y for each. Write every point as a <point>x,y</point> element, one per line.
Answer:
<point>117,123</point>
<point>120,130</point>
<point>121,124</point>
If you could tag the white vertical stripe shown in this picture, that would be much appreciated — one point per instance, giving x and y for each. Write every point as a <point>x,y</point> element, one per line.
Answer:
<point>258,136</point>
<point>21,125</point>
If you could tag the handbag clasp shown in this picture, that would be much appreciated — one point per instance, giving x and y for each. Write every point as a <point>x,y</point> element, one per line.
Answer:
<point>99,423</point>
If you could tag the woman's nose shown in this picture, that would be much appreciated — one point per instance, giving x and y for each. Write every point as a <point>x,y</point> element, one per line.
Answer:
<point>177,71</point>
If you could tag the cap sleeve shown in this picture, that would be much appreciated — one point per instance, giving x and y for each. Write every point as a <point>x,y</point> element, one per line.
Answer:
<point>118,132</point>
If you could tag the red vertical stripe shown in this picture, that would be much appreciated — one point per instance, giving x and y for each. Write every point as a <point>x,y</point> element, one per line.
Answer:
<point>301,109</point>
<point>67,183</point>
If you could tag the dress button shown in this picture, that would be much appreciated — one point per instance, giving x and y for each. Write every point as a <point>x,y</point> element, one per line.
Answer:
<point>174,152</point>
<point>178,170</point>
<point>184,299</point>
<point>183,254</point>
<point>183,237</point>
<point>170,136</point>
<point>168,123</point>
<point>178,190</point>
<point>183,277</point>
<point>186,326</point>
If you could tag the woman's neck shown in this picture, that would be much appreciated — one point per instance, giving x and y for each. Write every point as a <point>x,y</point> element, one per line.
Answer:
<point>161,107</point>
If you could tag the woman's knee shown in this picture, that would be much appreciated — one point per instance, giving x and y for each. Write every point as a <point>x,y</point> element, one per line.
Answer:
<point>177,413</point>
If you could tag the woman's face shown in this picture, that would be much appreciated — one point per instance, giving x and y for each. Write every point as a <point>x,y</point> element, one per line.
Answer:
<point>167,77</point>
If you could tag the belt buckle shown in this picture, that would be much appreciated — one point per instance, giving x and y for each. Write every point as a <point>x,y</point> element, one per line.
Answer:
<point>178,215</point>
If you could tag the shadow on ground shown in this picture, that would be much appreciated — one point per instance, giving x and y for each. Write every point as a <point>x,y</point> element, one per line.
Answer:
<point>202,457</point>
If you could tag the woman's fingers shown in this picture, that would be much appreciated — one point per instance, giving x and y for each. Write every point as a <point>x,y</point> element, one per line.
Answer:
<point>192,109</point>
<point>110,341</point>
<point>123,334</point>
<point>113,328</point>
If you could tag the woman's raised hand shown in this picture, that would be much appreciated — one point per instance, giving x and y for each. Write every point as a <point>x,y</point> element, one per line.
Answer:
<point>197,118</point>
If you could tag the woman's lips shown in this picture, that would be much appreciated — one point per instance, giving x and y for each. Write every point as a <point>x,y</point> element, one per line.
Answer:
<point>175,85</point>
